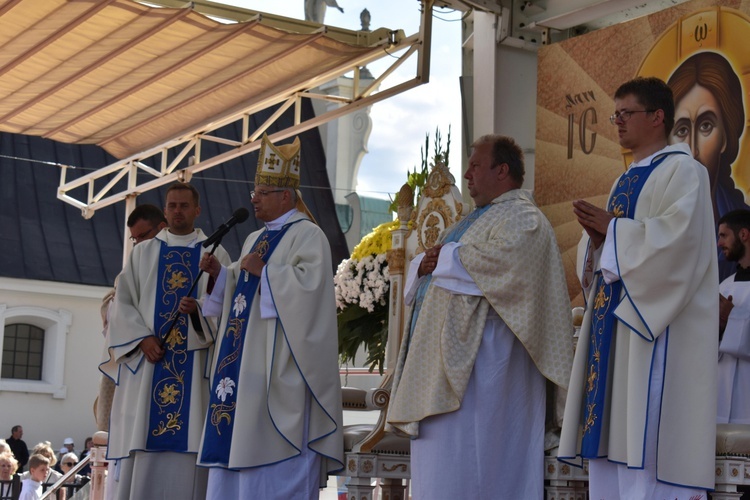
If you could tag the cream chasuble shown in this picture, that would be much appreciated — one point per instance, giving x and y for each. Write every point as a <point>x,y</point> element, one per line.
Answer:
<point>511,254</point>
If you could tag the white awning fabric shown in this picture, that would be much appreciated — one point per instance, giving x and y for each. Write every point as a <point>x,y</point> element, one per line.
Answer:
<point>129,77</point>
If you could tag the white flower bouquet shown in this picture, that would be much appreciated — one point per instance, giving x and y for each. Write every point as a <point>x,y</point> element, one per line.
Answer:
<point>362,284</point>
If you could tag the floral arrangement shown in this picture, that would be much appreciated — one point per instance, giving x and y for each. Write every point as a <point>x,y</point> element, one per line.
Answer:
<point>362,281</point>
<point>362,285</point>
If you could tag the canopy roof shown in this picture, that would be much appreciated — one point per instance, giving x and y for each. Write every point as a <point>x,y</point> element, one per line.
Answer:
<point>149,83</point>
<point>128,77</point>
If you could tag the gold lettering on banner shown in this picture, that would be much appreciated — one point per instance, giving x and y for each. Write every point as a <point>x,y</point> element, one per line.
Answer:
<point>700,32</point>
<point>588,114</point>
<point>580,98</point>
<point>587,117</point>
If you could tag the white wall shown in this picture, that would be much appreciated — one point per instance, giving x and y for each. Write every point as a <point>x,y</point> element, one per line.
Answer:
<point>68,411</point>
<point>504,89</point>
<point>515,101</point>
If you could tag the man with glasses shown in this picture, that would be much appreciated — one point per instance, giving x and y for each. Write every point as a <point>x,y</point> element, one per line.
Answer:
<point>273,428</point>
<point>144,222</point>
<point>158,365</point>
<point>642,398</point>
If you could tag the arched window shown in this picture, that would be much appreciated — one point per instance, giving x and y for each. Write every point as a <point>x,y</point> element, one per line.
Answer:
<point>23,352</point>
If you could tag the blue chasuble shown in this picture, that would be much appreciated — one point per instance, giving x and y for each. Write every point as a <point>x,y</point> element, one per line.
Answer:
<point>170,388</point>
<point>217,438</point>
<point>622,203</point>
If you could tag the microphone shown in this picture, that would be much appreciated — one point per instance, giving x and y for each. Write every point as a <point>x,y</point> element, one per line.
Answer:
<point>239,215</point>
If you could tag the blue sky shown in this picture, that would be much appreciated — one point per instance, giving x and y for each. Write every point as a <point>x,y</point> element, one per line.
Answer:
<point>401,122</point>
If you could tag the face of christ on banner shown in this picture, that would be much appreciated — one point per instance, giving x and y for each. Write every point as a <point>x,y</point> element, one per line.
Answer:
<point>710,118</point>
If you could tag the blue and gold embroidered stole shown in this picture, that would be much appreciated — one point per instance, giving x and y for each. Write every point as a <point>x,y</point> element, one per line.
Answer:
<point>622,203</point>
<point>170,388</point>
<point>217,438</point>
<point>452,235</point>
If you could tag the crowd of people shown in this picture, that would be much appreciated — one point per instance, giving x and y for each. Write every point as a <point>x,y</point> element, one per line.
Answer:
<point>45,467</point>
<point>224,375</point>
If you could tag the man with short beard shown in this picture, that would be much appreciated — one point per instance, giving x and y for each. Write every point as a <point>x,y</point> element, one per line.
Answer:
<point>158,362</point>
<point>734,321</point>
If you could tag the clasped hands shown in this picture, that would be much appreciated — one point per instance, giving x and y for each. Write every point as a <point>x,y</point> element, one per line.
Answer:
<point>594,220</point>
<point>429,261</point>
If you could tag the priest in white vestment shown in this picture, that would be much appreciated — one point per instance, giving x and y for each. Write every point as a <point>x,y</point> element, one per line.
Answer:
<point>161,390</point>
<point>144,222</point>
<point>734,316</point>
<point>274,423</point>
<point>491,321</point>
<point>642,397</point>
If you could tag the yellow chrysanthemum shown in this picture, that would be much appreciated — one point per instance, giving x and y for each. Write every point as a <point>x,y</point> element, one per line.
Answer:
<point>377,242</point>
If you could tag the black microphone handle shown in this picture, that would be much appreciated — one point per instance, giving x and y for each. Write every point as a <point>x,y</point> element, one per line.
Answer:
<point>217,235</point>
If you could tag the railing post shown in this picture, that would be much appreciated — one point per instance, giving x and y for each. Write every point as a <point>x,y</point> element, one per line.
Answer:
<point>99,465</point>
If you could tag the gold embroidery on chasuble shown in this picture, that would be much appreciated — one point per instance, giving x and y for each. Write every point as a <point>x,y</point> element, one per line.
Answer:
<point>169,391</point>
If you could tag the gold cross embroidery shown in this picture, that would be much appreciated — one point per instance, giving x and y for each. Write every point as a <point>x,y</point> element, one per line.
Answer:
<point>272,161</point>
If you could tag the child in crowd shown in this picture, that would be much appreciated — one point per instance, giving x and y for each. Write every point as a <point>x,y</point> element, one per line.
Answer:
<point>31,488</point>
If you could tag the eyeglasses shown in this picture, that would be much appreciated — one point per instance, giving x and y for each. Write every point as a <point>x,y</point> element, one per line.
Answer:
<point>253,194</point>
<point>142,236</point>
<point>70,464</point>
<point>625,115</point>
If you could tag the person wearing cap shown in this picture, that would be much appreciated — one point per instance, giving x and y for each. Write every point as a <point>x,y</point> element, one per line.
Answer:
<point>161,393</point>
<point>273,428</point>
<point>68,447</point>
